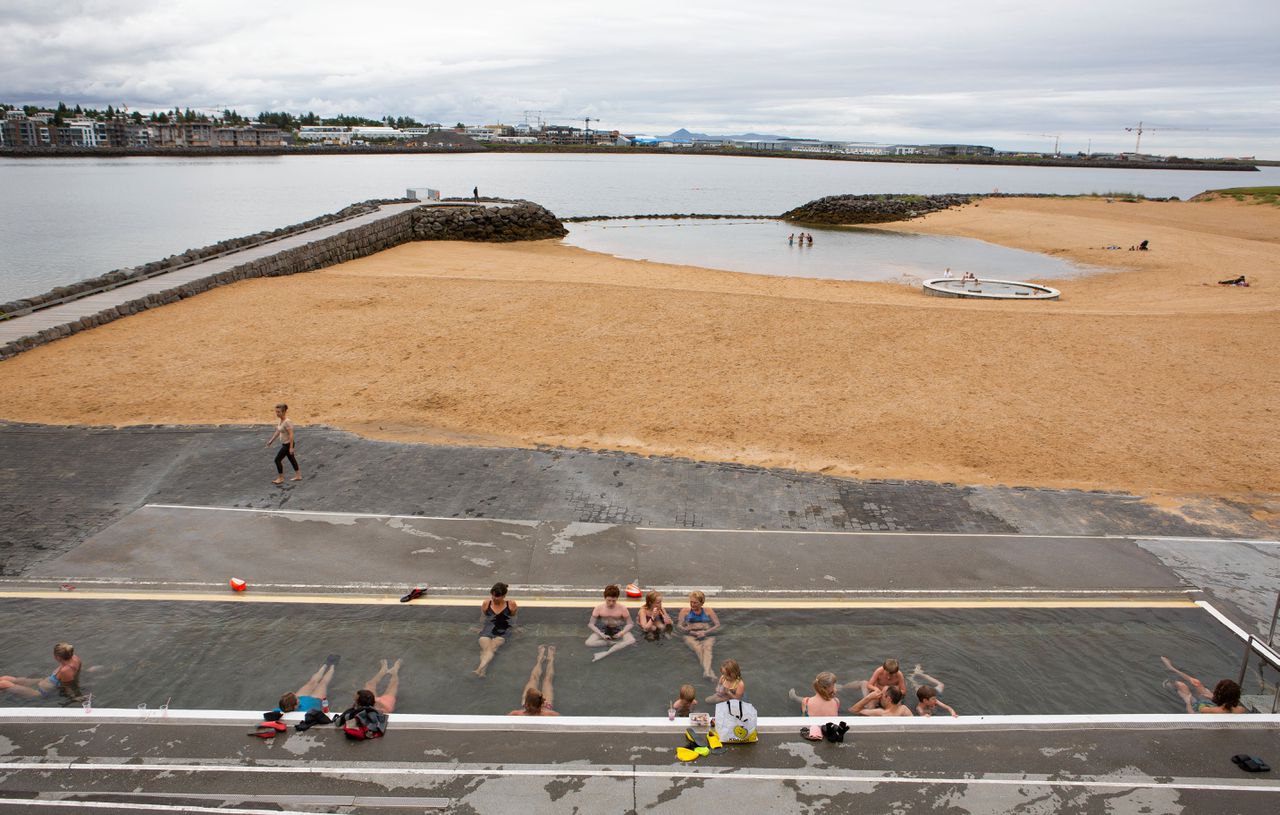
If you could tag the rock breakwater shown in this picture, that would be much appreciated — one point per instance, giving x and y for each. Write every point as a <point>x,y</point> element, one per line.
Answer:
<point>871,209</point>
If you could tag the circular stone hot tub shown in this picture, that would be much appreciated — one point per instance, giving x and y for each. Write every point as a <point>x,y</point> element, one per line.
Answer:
<point>988,289</point>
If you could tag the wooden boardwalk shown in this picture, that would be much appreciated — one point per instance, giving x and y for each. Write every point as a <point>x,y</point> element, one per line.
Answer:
<point>16,328</point>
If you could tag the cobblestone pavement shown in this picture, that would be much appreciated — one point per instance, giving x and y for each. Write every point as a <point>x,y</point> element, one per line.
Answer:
<point>59,485</point>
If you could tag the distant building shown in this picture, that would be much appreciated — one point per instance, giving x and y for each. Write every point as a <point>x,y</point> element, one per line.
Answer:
<point>950,150</point>
<point>325,134</point>
<point>205,134</point>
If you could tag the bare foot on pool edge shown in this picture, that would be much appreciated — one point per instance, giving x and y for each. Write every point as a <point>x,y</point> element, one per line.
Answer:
<point>279,480</point>
<point>599,655</point>
<point>296,477</point>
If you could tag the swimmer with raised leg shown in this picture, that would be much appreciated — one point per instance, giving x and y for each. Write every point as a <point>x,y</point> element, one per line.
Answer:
<point>314,693</point>
<point>1224,698</point>
<point>385,701</point>
<point>539,692</point>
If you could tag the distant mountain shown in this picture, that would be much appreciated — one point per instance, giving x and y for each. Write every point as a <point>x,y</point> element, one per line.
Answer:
<point>685,135</point>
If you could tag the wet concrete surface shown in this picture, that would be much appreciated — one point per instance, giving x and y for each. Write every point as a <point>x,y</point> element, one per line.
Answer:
<point>284,549</point>
<point>878,769</point>
<point>60,485</point>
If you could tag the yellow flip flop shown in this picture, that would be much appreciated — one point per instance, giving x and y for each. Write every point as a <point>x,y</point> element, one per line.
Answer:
<point>685,754</point>
<point>713,742</point>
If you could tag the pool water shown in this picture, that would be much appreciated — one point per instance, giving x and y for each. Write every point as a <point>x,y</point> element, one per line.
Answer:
<point>245,655</point>
<point>760,246</point>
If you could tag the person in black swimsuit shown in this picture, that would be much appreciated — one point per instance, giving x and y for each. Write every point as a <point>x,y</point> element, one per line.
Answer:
<point>497,615</point>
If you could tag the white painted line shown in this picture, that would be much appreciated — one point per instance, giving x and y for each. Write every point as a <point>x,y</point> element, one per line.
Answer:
<point>1205,540</point>
<point>349,514</point>
<point>81,806</point>
<point>649,724</point>
<point>480,592</point>
<point>695,531</point>
<point>727,774</point>
<point>877,533</point>
<point>1260,647</point>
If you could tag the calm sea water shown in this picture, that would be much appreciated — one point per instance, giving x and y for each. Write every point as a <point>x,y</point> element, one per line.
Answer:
<point>63,220</point>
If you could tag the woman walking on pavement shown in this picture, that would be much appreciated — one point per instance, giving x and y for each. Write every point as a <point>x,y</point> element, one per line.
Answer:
<point>284,431</point>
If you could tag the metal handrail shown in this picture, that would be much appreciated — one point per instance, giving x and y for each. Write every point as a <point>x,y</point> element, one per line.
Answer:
<point>1255,645</point>
<point>1275,612</point>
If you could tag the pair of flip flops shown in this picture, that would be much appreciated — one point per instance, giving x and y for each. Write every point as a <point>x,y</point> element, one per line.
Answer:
<point>699,745</point>
<point>1251,764</point>
<point>270,729</point>
<point>414,594</point>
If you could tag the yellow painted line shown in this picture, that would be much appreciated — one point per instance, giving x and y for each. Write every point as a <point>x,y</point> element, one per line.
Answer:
<point>586,602</point>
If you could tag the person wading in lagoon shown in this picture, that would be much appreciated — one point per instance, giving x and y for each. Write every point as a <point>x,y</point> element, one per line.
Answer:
<point>284,432</point>
<point>497,615</point>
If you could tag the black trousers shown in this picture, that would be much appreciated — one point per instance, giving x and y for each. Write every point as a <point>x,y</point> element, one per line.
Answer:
<point>281,455</point>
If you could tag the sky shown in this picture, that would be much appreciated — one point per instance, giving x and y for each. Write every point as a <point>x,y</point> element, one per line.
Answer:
<point>1204,78</point>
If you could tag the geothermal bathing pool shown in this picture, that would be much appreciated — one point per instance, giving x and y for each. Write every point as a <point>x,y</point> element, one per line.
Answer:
<point>242,656</point>
<point>759,246</point>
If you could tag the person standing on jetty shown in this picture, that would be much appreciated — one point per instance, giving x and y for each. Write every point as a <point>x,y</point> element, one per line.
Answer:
<point>284,432</point>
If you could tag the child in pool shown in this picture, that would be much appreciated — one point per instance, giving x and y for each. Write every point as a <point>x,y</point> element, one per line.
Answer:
<point>686,701</point>
<point>653,618</point>
<point>927,702</point>
<point>731,684</point>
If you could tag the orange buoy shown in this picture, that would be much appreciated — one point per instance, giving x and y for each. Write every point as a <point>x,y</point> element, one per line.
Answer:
<point>237,584</point>
<point>633,590</point>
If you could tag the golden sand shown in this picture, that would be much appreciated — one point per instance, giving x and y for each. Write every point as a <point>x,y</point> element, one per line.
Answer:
<point>1150,379</point>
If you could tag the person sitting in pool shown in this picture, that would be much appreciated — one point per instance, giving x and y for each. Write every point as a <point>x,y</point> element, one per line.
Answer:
<point>610,624</point>
<point>64,680</point>
<point>824,701</point>
<point>731,685</point>
<point>497,616</point>
<point>385,701</point>
<point>368,715</point>
<point>889,700</point>
<point>313,695</point>
<point>697,622</point>
<point>927,702</point>
<point>653,618</point>
<point>539,694</point>
<point>1225,697</point>
<point>887,675</point>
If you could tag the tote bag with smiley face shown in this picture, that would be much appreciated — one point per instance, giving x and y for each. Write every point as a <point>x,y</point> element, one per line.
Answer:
<point>736,722</point>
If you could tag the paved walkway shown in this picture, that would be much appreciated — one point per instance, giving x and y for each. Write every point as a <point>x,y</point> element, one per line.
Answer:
<point>29,325</point>
<point>879,768</point>
<point>193,547</point>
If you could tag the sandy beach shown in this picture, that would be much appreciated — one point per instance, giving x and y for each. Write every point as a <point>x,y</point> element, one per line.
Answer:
<point>1150,379</point>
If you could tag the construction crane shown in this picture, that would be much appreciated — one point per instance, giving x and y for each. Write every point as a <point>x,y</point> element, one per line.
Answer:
<point>1141,128</point>
<point>1138,142</point>
<point>1055,136</point>
<point>586,130</point>
<point>539,117</point>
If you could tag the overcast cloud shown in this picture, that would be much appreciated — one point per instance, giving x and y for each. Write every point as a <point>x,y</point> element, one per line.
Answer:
<point>1204,76</point>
